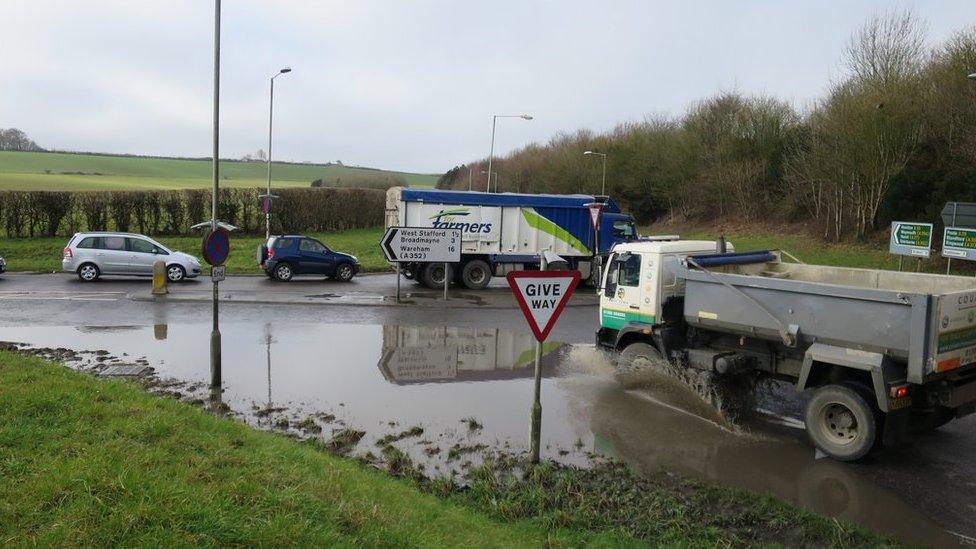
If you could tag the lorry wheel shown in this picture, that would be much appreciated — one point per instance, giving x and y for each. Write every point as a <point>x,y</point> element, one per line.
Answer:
<point>434,274</point>
<point>841,422</point>
<point>636,354</point>
<point>475,275</point>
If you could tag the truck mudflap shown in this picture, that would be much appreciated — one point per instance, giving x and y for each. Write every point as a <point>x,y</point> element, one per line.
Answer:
<point>953,343</point>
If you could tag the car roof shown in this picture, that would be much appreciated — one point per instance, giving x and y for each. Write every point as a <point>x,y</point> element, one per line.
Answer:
<point>109,233</point>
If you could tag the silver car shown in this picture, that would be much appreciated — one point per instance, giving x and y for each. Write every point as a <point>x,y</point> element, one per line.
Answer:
<point>91,255</point>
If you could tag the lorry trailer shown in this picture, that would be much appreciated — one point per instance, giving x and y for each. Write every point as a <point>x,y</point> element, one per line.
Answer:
<point>502,232</point>
<point>879,354</point>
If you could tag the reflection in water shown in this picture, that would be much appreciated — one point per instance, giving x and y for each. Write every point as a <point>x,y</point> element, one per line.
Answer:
<point>424,354</point>
<point>385,379</point>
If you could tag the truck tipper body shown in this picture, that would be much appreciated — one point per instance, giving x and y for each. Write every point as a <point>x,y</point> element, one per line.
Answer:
<point>502,232</point>
<point>882,353</point>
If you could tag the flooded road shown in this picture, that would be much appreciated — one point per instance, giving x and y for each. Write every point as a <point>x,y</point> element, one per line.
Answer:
<point>446,393</point>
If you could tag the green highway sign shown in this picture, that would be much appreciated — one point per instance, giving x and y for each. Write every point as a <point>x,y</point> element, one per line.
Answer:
<point>959,243</point>
<point>909,238</point>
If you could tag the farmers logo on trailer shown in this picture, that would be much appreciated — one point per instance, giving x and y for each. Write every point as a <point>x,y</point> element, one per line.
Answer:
<point>444,219</point>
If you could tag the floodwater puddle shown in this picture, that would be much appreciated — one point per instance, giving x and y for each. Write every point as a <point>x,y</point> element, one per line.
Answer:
<point>443,395</point>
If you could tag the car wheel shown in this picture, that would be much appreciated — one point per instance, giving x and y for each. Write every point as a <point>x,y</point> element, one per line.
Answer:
<point>283,272</point>
<point>476,274</point>
<point>433,275</point>
<point>88,272</point>
<point>841,422</point>
<point>175,273</point>
<point>344,272</point>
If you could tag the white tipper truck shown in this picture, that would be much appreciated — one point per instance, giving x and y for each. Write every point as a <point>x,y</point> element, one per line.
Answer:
<point>879,354</point>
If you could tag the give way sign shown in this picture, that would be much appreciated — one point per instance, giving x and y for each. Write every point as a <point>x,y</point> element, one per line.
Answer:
<point>542,296</point>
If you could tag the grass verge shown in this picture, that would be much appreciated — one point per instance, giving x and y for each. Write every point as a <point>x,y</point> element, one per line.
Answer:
<point>98,462</point>
<point>102,463</point>
<point>44,254</point>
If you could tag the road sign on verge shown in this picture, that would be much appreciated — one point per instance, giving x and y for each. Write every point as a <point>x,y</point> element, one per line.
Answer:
<point>596,210</point>
<point>423,245</point>
<point>909,238</point>
<point>218,274</point>
<point>542,296</point>
<point>959,243</point>
<point>216,246</point>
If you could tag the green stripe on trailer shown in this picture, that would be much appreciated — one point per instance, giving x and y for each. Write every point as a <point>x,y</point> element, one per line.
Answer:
<point>957,340</point>
<point>540,223</point>
<point>616,319</point>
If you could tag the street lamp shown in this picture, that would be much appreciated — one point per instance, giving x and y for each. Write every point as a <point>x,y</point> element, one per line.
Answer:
<point>494,118</point>
<point>267,197</point>
<point>489,180</point>
<point>603,187</point>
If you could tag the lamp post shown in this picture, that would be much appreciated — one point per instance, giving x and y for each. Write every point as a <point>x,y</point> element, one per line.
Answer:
<point>215,361</point>
<point>603,187</point>
<point>489,180</point>
<point>267,197</point>
<point>491,153</point>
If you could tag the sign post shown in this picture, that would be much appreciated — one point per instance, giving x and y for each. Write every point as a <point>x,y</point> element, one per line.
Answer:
<point>908,238</point>
<point>542,295</point>
<point>422,245</point>
<point>596,213</point>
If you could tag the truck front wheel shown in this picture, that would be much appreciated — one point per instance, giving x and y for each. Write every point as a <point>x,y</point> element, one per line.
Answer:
<point>636,356</point>
<point>475,274</point>
<point>841,422</point>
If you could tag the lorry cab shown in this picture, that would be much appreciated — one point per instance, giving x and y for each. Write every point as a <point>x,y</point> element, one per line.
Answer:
<point>636,287</point>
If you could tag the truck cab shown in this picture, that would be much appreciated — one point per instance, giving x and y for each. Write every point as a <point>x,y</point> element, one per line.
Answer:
<point>636,293</point>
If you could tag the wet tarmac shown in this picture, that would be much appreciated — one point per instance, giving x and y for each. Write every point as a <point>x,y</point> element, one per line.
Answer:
<point>444,386</point>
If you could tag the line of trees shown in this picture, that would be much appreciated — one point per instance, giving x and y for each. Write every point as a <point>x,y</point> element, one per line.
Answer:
<point>52,213</point>
<point>894,139</point>
<point>12,139</point>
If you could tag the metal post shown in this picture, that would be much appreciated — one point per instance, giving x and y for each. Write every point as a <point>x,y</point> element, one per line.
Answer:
<point>598,257</point>
<point>267,216</point>
<point>536,416</point>
<point>470,177</point>
<point>446,281</point>
<point>899,262</point>
<point>215,366</point>
<point>603,187</point>
<point>492,151</point>
<point>398,281</point>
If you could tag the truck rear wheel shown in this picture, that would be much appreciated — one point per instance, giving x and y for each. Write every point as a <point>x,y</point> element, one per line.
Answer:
<point>433,275</point>
<point>476,274</point>
<point>841,422</point>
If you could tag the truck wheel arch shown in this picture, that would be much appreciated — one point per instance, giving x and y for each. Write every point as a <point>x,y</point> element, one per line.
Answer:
<point>826,364</point>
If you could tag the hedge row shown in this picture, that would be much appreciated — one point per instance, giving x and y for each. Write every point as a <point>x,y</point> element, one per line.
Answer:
<point>51,213</point>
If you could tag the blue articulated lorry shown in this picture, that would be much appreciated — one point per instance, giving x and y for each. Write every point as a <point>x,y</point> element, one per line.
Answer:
<point>504,232</point>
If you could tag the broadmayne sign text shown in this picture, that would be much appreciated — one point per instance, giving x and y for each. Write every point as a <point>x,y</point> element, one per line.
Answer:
<point>959,243</point>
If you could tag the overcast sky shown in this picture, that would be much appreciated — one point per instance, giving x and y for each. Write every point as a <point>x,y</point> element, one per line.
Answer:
<point>404,84</point>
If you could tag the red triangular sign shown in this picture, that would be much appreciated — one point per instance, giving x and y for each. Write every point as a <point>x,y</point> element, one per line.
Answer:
<point>595,211</point>
<point>542,296</point>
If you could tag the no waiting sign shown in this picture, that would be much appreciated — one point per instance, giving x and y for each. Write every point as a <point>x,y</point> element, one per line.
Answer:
<point>422,245</point>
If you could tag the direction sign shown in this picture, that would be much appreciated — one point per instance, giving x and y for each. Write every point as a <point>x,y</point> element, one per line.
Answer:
<point>909,238</point>
<point>542,296</point>
<point>216,246</point>
<point>959,243</point>
<point>423,245</point>
<point>959,214</point>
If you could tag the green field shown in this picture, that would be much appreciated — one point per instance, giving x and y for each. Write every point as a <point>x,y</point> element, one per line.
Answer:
<point>44,254</point>
<point>87,172</point>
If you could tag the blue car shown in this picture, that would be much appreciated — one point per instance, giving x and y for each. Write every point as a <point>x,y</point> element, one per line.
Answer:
<point>283,257</point>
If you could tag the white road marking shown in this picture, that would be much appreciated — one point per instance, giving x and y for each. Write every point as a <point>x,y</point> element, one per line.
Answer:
<point>60,296</point>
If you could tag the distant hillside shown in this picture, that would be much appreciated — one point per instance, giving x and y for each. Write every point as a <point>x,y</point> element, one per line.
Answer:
<point>94,172</point>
